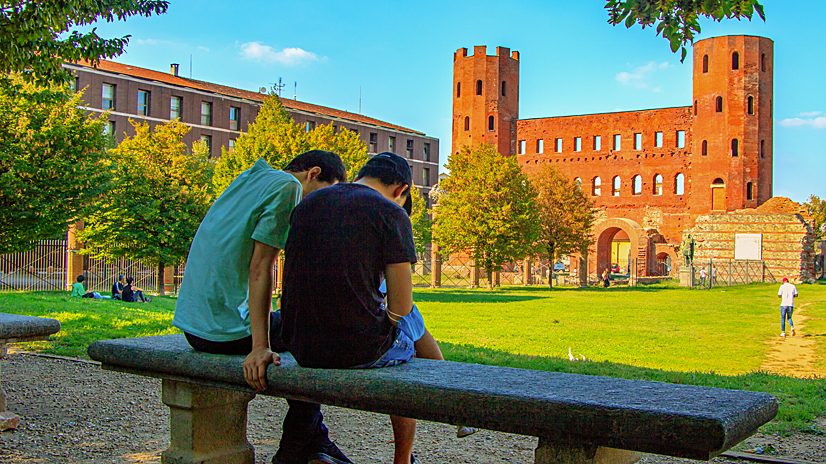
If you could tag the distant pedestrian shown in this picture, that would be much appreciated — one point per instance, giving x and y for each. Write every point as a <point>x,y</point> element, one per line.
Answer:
<point>786,293</point>
<point>703,275</point>
<point>606,278</point>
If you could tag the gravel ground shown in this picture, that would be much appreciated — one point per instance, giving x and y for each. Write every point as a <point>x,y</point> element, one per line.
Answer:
<point>73,412</point>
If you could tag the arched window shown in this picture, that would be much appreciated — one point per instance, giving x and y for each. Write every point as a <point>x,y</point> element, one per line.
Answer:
<point>679,184</point>
<point>735,60</point>
<point>762,148</point>
<point>479,87</point>
<point>458,89</point>
<point>719,105</point>
<point>763,62</point>
<point>578,183</point>
<point>504,89</point>
<point>658,185</point>
<point>467,123</point>
<point>490,123</point>
<point>749,191</point>
<point>705,148</point>
<point>750,104</point>
<point>596,186</point>
<point>617,183</point>
<point>705,63</point>
<point>718,195</point>
<point>695,107</point>
<point>735,146</point>
<point>637,185</point>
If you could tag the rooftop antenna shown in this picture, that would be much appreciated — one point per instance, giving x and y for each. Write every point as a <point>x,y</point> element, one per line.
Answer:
<point>190,65</point>
<point>359,99</point>
<point>295,90</point>
<point>277,87</point>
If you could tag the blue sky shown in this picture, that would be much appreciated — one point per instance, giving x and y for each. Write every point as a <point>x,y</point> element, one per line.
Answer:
<point>400,54</point>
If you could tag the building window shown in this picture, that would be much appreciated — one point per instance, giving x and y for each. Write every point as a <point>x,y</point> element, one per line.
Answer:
<point>206,113</point>
<point>637,141</point>
<point>658,185</point>
<point>750,104</point>
<point>658,139</point>
<point>234,118</point>
<point>680,139</point>
<point>705,148</point>
<point>763,62</point>
<point>735,60</point>
<point>467,123</point>
<point>504,89</point>
<point>578,183</point>
<point>596,186</point>
<point>426,177</point>
<point>491,125</point>
<point>749,191</point>
<point>540,146</point>
<point>636,185</point>
<point>617,142</point>
<point>679,184</point>
<point>426,152</point>
<point>522,146</point>
<point>695,107</point>
<point>762,148</point>
<point>617,183</point>
<point>705,63</point>
<point>335,129</point>
<point>175,104</point>
<point>558,145</point>
<point>143,103</point>
<point>458,89</point>
<point>479,87</point>
<point>735,146</point>
<point>718,195</point>
<point>207,139</point>
<point>108,97</point>
<point>719,105</point>
<point>109,128</point>
<point>231,144</point>
<point>73,83</point>
<point>309,125</point>
<point>577,143</point>
<point>409,148</point>
<point>374,141</point>
<point>597,143</point>
<point>391,144</point>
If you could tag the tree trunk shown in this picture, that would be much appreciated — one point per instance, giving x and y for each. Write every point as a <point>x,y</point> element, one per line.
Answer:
<point>552,262</point>
<point>490,277</point>
<point>160,282</point>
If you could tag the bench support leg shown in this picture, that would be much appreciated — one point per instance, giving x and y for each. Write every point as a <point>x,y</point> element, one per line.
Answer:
<point>8,420</point>
<point>550,452</point>
<point>208,425</point>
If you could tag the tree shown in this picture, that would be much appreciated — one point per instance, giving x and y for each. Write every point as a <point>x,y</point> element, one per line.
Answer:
<point>34,40</point>
<point>160,193</point>
<point>487,209</point>
<point>817,208</point>
<point>566,214</point>
<point>422,225</point>
<point>51,162</point>
<point>276,138</point>
<point>678,20</point>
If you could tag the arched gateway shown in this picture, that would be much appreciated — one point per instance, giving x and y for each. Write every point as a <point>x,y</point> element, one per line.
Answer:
<point>618,241</point>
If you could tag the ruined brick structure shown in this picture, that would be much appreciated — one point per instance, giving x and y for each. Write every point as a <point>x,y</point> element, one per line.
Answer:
<point>653,172</point>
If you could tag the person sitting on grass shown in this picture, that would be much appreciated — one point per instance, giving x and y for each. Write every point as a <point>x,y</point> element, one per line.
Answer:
<point>133,294</point>
<point>79,292</point>
<point>343,240</point>
<point>117,288</point>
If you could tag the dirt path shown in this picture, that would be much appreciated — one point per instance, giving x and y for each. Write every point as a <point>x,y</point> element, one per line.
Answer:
<point>793,355</point>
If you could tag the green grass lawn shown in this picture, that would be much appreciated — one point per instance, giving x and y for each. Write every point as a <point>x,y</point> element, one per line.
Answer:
<point>715,338</point>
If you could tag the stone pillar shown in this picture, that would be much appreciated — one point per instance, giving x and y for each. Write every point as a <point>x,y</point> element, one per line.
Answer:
<point>549,452</point>
<point>526,272</point>
<point>169,280</point>
<point>74,260</point>
<point>207,425</point>
<point>435,266</point>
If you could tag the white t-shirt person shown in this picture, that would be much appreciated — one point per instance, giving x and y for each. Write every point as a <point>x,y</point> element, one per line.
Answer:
<point>787,292</point>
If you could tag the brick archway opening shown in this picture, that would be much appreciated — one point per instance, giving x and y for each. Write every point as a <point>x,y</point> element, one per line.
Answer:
<point>617,242</point>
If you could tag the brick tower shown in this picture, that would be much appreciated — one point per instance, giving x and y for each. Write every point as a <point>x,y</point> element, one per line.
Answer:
<point>731,159</point>
<point>485,98</point>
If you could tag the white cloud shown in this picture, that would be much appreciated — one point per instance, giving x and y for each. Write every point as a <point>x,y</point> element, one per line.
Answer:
<point>817,123</point>
<point>264,53</point>
<point>811,114</point>
<point>203,48</point>
<point>153,42</point>
<point>640,77</point>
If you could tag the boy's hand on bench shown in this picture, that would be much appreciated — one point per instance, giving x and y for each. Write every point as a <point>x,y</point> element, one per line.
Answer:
<point>255,367</point>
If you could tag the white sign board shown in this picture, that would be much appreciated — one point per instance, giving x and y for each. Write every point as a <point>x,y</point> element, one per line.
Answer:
<point>748,246</point>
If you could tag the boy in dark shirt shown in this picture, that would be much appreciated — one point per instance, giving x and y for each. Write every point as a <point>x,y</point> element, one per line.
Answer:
<point>343,241</point>
<point>133,294</point>
<point>117,288</point>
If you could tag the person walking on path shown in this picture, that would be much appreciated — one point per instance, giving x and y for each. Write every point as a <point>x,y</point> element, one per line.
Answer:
<point>786,293</point>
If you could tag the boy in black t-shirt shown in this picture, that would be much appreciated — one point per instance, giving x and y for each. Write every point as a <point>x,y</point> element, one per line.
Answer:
<point>343,241</point>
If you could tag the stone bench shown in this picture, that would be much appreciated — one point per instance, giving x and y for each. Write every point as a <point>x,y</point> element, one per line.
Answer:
<point>578,418</point>
<point>13,329</point>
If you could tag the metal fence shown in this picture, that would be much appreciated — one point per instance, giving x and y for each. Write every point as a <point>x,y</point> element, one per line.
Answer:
<point>43,267</point>
<point>101,272</point>
<point>728,272</point>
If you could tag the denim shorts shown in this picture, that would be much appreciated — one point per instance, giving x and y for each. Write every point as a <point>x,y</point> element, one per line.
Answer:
<point>401,351</point>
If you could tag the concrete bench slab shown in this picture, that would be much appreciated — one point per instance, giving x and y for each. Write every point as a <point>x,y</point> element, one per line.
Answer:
<point>579,418</point>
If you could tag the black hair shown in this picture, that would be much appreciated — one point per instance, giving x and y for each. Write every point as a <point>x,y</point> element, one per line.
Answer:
<point>120,277</point>
<point>81,278</point>
<point>332,168</point>
<point>129,280</point>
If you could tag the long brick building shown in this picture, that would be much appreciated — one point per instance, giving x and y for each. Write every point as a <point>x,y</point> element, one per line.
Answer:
<point>653,172</point>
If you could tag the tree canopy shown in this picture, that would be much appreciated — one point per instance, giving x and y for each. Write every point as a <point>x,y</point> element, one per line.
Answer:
<point>31,31</point>
<point>422,225</point>
<point>566,214</point>
<point>160,193</point>
<point>678,20</point>
<point>276,138</point>
<point>817,208</point>
<point>486,209</point>
<point>51,162</point>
